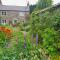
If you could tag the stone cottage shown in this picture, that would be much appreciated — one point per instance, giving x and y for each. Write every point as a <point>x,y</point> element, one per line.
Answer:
<point>13,14</point>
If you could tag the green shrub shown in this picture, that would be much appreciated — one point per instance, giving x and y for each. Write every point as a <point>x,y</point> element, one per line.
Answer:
<point>49,40</point>
<point>3,38</point>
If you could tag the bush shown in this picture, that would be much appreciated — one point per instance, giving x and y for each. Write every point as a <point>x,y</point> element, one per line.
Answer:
<point>49,40</point>
<point>3,39</point>
<point>5,35</point>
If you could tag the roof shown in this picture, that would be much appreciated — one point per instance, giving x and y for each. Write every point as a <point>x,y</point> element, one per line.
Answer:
<point>48,8</point>
<point>14,8</point>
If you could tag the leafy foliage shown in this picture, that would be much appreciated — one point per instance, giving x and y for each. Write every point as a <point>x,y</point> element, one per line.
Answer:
<point>47,25</point>
<point>2,39</point>
<point>32,7</point>
<point>17,50</point>
<point>44,3</point>
<point>49,40</point>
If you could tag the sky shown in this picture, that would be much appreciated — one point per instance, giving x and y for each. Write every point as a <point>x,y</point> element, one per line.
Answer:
<point>22,2</point>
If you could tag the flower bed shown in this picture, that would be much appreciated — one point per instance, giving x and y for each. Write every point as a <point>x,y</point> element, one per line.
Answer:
<point>7,31</point>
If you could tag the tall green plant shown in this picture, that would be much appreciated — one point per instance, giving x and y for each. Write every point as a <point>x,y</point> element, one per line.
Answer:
<point>43,4</point>
<point>51,20</point>
<point>3,39</point>
<point>49,40</point>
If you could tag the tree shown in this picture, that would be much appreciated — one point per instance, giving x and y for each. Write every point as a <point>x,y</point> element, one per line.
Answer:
<point>32,7</point>
<point>43,4</point>
<point>47,25</point>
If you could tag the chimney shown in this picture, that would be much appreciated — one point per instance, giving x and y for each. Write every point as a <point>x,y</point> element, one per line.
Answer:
<point>27,3</point>
<point>0,2</point>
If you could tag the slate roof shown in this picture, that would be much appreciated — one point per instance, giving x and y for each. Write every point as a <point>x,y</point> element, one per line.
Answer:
<point>14,8</point>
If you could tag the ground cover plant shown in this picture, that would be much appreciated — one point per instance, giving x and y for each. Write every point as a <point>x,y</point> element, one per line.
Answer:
<point>19,49</point>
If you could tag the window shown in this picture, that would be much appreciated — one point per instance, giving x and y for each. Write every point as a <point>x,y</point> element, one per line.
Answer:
<point>21,14</point>
<point>3,13</point>
<point>14,21</point>
<point>3,21</point>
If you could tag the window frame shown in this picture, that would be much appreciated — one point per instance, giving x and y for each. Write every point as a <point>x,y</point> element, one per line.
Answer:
<point>3,12</point>
<point>21,13</point>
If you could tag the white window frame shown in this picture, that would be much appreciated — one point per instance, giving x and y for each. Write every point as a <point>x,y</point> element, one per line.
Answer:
<point>21,13</point>
<point>3,21</point>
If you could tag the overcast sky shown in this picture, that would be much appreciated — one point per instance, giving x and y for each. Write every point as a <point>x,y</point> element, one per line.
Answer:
<point>22,2</point>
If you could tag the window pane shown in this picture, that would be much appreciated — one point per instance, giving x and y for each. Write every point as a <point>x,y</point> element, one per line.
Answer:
<point>3,21</point>
<point>3,13</point>
<point>21,14</point>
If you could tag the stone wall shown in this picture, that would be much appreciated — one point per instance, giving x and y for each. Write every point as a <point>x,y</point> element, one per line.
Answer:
<point>14,15</point>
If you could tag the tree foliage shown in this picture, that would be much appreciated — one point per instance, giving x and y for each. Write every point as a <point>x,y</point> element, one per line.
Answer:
<point>32,7</point>
<point>43,3</point>
<point>49,40</point>
<point>47,25</point>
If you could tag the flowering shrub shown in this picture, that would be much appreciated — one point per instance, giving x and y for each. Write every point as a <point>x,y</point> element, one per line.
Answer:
<point>5,35</point>
<point>7,31</point>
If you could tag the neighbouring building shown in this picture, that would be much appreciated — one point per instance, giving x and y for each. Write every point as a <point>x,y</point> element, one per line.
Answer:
<point>13,14</point>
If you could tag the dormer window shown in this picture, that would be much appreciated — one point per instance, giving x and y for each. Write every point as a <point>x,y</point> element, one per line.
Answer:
<point>3,13</point>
